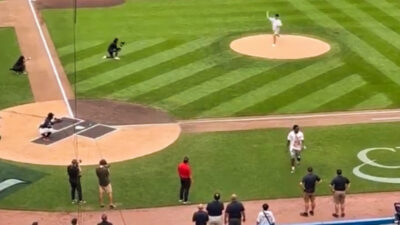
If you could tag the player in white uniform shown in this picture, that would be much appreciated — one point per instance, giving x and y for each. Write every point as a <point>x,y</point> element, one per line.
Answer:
<point>295,142</point>
<point>276,26</point>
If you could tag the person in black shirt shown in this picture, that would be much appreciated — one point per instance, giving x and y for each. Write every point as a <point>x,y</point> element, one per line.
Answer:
<point>214,210</point>
<point>46,128</point>
<point>200,217</point>
<point>74,173</point>
<point>308,184</point>
<point>19,66</point>
<point>113,50</point>
<point>234,213</point>
<point>104,220</point>
<point>339,185</point>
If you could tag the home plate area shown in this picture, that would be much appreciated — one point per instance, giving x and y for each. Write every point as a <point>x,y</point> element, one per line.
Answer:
<point>70,126</point>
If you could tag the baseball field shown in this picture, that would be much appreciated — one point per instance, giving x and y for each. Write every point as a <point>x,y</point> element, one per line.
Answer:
<point>177,61</point>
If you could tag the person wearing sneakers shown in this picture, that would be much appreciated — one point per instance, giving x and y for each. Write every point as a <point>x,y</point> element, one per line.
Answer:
<point>339,186</point>
<point>185,175</point>
<point>113,50</point>
<point>215,209</point>
<point>308,184</point>
<point>295,142</point>
<point>276,27</point>
<point>103,174</point>
<point>74,174</point>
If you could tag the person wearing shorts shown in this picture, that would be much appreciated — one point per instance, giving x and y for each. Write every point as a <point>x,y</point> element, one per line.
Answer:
<point>103,173</point>
<point>276,26</point>
<point>295,143</point>
<point>308,184</point>
<point>339,186</point>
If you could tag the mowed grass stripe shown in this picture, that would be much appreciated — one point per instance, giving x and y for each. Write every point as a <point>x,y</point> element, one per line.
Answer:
<point>156,70</point>
<point>240,88</point>
<point>386,48</point>
<point>292,94</point>
<point>129,58</point>
<point>211,86</point>
<point>141,64</point>
<point>178,86</point>
<point>357,45</point>
<point>272,88</point>
<point>323,96</point>
<point>69,49</point>
<point>96,59</point>
<point>369,23</point>
<point>169,77</point>
<point>84,53</point>
<point>378,100</point>
<point>384,8</point>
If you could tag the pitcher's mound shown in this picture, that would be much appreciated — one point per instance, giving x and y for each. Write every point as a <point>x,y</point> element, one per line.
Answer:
<point>288,47</point>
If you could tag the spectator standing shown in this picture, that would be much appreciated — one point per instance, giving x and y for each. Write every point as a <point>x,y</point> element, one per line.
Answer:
<point>74,174</point>
<point>215,209</point>
<point>185,175</point>
<point>308,184</point>
<point>103,175</point>
<point>200,217</point>
<point>265,217</point>
<point>339,186</point>
<point>234,213</point>
<point>104,220</point>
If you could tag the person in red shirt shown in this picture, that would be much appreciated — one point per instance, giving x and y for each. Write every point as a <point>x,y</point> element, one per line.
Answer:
<point>185,174</point>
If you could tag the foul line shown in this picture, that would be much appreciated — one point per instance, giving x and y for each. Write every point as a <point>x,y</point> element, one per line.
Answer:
<point>286,117</point>
<point>51,60</point>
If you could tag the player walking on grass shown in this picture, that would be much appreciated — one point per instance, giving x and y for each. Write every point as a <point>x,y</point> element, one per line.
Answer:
<point>295,142</point>
<point>276,26</point>
<point>308,184</point>
<point>74,174</point>
<point>339,186</point>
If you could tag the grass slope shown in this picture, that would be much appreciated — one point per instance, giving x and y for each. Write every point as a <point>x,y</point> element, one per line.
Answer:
<point>14,88</point>
<point>177,57</point>
<point>253,164</point>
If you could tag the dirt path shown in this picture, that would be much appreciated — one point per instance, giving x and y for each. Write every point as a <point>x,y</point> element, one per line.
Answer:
<point>16,13</point>
<point>305,120</point>
<point>359,206</point>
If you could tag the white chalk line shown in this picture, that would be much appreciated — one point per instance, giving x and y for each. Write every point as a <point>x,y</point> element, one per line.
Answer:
<point>55,72</point>
<point>386,118</point>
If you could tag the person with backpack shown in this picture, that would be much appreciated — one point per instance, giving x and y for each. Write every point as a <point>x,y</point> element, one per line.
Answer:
<point>265,217</point>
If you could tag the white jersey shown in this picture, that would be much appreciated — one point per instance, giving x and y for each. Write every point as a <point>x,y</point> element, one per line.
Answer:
<point>262,220</point>
<point>276,23</point>
<point>296,140</point>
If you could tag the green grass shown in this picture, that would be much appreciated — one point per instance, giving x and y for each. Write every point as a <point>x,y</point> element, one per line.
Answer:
<point>177,55</point>
<point>253,164</point>
<point>15,89</point>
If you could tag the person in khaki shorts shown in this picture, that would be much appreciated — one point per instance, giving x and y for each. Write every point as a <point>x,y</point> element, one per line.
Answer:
<point>103,173</point>
<point>308,184</point>
<point>339,186</point>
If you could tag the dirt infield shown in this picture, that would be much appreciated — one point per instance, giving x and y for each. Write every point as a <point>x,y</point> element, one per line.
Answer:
<point>20,127</point>
<point>279,121</point>
<point>58,4</point>
<point>118,113</point>
<point>358,206</point>
<point>287,47</point>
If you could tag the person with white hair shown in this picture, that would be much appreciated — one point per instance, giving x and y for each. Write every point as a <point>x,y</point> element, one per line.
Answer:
<point>200,217</point>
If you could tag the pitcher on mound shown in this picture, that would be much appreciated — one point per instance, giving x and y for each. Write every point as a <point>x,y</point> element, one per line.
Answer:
<point>276,26</point>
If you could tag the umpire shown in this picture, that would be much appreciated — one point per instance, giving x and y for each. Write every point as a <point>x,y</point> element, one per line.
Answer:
<point>74,173</point>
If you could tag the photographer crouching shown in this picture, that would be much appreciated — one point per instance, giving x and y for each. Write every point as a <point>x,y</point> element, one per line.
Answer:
<point>114,49</point>
<point>74,173</point>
